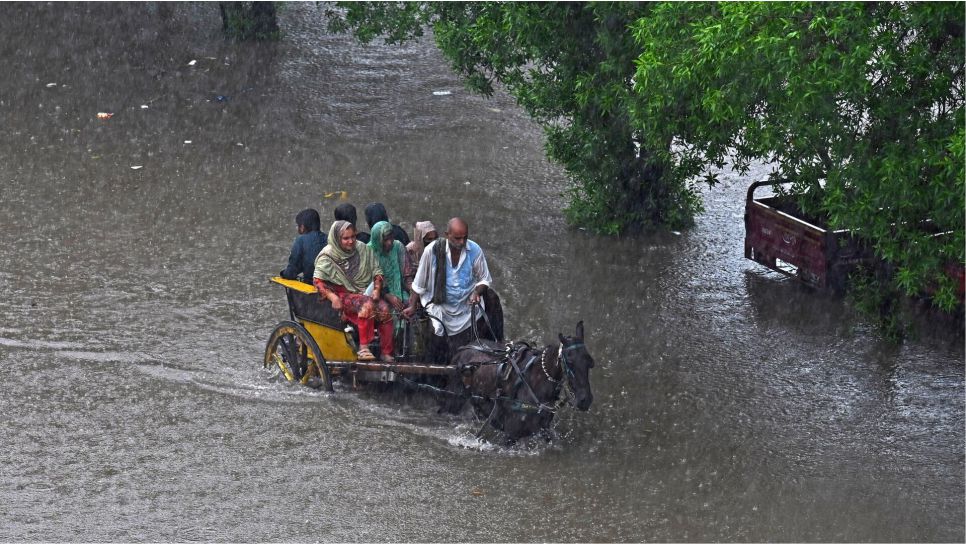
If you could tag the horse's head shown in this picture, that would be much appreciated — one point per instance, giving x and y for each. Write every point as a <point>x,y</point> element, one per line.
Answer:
<point>577,362</point>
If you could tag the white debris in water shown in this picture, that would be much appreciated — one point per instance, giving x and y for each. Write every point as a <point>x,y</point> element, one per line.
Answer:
<point>144,106</point>
<point>192,63</point>
<point>138,167</point>
<point>441,93</point>
<point>49,85</point>
<point>187,141</point>
<point>676,233</point>
<point>466,183</point>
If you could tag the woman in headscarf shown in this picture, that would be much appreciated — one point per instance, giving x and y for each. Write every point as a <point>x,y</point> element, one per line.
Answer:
<point>423,234</point>
<point>397,272</point>
<point>343,271</point>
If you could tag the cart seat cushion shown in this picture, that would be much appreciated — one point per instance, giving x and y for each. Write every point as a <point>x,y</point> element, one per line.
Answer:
<point>311,307</point>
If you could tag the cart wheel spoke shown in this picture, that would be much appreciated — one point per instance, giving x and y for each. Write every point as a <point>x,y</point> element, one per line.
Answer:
<point>293,351</point>
<point>283,358</point>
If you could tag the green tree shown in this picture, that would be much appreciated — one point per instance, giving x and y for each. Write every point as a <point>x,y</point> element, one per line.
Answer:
<point>859,104</point>
<point>571,67</point>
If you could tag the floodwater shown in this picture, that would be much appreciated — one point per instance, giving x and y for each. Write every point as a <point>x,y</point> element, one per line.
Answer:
<point>730,404</point>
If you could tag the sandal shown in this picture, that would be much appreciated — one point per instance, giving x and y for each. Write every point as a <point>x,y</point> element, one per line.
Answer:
<point>386,358</point>
<point>365,355</point>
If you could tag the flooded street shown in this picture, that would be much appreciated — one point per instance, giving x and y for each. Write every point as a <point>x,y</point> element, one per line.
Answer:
<point>730,404</point>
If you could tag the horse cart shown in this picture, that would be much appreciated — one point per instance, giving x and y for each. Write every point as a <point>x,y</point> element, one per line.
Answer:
<point>316,347</point>
<point>515,387</point>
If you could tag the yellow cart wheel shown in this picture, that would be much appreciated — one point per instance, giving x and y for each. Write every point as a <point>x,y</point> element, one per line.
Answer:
<point>295,356</point>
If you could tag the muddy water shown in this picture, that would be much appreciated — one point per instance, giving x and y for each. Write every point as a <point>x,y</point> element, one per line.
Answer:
<point>730,404</point>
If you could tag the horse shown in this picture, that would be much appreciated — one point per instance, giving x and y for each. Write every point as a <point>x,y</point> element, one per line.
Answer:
<point>517,388</point>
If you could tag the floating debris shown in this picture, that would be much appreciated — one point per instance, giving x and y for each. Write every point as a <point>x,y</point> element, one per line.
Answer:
<point>441,93</point>
<point>138,167</point>
<point>187,141</point>
<point>104,115</point>
<point>144,106</point>
<point>49,85</point>
<point>192,63</point>
<point>477,491</point>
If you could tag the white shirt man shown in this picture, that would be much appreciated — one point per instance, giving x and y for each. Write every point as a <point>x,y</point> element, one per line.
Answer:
<point>466,277</point>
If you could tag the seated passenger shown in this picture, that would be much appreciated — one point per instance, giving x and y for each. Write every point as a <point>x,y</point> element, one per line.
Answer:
<point>452,278</point>
<point>376,212</point>
<point>343,270</point>
<point>347,212</point>
<point>308,244</point>
<point>424,233</point>
<point>397,269</point>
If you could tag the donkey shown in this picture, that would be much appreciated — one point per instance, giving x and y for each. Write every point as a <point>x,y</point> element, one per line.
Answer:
<point>516,388</point>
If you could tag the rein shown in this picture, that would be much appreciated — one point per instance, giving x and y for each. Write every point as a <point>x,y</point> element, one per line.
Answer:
<point>486,319</point>
<point>509,355</point>
<point>512,354</point>
<point>558,384</point>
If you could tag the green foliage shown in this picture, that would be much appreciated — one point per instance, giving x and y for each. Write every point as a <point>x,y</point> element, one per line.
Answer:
<point>571,67</point>
<point>859,104</point>
<point>880,301</point>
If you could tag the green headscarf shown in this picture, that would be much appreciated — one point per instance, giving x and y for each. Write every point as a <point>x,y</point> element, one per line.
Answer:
<point>389,262</point>
<point>353,269</point>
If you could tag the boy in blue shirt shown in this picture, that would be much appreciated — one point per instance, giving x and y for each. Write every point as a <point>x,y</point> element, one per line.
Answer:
<point>308,244</point>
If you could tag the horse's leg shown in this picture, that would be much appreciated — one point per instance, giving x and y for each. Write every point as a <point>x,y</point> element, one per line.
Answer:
<point>522,424</point>
<point>456,394</point>
<point>548,433</point>
<point>488,423</point>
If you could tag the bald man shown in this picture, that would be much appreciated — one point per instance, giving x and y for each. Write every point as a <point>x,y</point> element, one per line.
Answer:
<point>451,278</point>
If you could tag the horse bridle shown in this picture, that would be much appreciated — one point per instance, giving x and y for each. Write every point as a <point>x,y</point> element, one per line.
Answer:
<point>568,375</point>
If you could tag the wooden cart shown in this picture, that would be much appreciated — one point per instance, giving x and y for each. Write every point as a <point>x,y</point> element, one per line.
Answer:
<point>314,347</point>
<point>779,236</point>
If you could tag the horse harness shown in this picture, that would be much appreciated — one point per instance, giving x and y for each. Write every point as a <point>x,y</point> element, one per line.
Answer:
<point>508,361</point>
<point>509,364</point>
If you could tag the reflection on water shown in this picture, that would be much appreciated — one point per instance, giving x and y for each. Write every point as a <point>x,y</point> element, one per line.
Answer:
<point>730,404</point>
